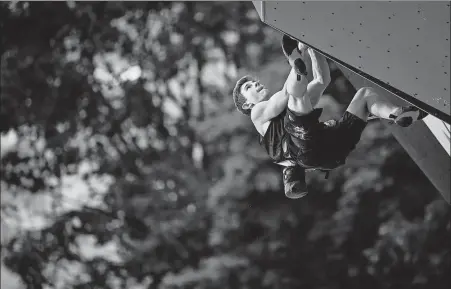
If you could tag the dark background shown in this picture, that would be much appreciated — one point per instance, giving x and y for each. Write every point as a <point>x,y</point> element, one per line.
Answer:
<point>126,165</point>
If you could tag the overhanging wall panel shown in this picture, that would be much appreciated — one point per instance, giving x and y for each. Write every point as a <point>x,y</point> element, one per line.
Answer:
<point>418,141</point>
<point>260,7</point>
<point>404,44</point>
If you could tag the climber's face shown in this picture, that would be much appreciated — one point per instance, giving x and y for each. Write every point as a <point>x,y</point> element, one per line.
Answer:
<point>254,92</point>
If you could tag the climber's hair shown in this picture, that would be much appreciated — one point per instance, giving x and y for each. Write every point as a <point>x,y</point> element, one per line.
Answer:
<point>238,97</point>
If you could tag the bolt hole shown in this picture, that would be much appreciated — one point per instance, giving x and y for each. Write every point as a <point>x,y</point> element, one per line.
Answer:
<point>360,40</point>
<point>331,30</point>
<point>361,24</point>
<point>360,56</point>
<point>418,45</point>
<point>388,50</point>
<point>389,34</point>
<point>418,29</point>
<point>416,61</point>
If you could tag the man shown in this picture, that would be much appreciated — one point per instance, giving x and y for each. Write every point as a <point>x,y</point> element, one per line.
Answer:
<point>288,122</point>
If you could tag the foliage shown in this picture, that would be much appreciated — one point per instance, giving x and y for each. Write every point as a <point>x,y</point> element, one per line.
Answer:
<point>130,168</point>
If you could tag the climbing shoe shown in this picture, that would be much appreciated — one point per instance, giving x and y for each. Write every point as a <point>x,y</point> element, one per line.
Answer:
<point>288,46</point>
<point>407,115</point>
<point>294,182</point>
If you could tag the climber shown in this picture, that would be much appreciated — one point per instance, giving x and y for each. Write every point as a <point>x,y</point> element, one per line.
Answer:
<point>288,121</point>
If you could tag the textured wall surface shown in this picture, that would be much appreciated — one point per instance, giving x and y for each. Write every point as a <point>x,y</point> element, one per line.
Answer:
<point>403,44</point>
<point>420,141</point>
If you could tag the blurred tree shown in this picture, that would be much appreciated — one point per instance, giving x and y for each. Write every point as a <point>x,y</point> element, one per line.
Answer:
<point>132,99</point>
<point>118,87</point>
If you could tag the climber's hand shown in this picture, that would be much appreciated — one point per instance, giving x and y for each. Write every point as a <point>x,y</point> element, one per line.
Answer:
<point>302,47</point>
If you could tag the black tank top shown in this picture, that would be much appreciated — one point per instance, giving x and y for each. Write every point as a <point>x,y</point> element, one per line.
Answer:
<point>274,137</point>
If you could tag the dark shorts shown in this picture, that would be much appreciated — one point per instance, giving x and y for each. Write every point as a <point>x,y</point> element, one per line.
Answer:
<point>322,144</point>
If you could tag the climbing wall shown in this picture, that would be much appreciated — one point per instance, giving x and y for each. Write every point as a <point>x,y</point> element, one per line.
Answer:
<point>426,142</point>
<point>403,47</point>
